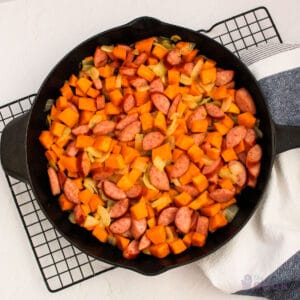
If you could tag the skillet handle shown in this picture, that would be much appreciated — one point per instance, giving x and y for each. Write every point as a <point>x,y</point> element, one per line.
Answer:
<point>287,137</point>
<point>13,148</point>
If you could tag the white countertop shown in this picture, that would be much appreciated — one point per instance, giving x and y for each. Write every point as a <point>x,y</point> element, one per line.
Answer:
<point>34,35</point>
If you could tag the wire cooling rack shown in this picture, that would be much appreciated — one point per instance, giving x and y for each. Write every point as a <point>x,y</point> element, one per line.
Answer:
<point>62,264</point>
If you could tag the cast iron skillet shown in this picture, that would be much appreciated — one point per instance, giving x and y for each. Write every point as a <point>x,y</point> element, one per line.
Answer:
<point>23,157</point>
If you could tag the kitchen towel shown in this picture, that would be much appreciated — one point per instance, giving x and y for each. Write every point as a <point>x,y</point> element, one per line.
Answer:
<point>250,262</point>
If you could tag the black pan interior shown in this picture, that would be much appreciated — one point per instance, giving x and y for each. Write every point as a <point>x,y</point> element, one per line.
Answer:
<point>129,33</point>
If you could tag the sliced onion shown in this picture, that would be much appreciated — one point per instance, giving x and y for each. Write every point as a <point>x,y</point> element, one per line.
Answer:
<point>159,163</point>
<point>159,69</point>
<point>107,48</point>
<point>72,218</point>
<point>196,69</point>
<point>48,104</point>
<point>230,212</point>
<point>185,80</point>
<point>90,185</point>
<point>147,182</point>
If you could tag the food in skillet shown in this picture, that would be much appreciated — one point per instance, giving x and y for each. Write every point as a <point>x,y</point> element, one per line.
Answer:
<point>149,145</point>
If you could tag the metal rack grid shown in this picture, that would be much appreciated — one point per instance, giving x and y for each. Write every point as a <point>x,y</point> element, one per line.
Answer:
<point>62,264</point>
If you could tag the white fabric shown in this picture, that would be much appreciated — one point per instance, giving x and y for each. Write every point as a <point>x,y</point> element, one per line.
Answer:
<point>272,235</point>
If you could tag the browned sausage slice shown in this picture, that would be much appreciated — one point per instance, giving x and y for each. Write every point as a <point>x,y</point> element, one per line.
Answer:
<point>239,170</point>
<point>152,140</point>
<point>130,131</point>
<point>230,85</point>
<point>132,250</point>
<point>245,101</point>
<point>221,195</point>
<point>156,86</point>
<point>100,58</point>
<point>54,182</point>
<point>195,216</point>
<point>252,181</point>
<point>202,225</point>
<point>207,170</point>
<point>138,227</point>
<point>71,149</point>
<point>254,155</point>
<point>135,191</point>
<point>97,83</point>
<point>84,163</point>
<point>61,178</point>
<point>180,166</point>
<point>235,135</point>
<point>79,215</point>
<point>139,82</point>
<point>102,173</point>
<point>144,242</point>
<point>174,57</point>
<point>250,137</point>
<point>81,129</point>
<point>254,169</point>
<point>159,179</point>
<point>224,77</point>
<point>127,71</point>
<point>188,188</point>
<point>214,111</point>
<point>141,58</point>
<point>112,191</point>
<point>128,102</point>
<point>104,127</point>
<point>183,219</point>
<point>161,102</point>
<point>198,114</point>
<point>198,138</point>
<point>174,105</point>
<point>120,225</point>
<point>167,216</point>
<point>127,120</point>
<point>119,208</point>
<point>71,191</point>
<point>100,102</point>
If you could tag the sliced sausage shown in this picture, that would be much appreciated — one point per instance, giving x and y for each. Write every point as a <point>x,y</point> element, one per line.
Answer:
<point>144,242</point>
<point>79,215</point>
<point>152,140</point>
<point>141,58</point>
<point>128,103</point>
<point>239,170</point>
<point>138,82</point>
<point>221,195</point>
<point>202,225</point>
<point>81,129</point>
<point>100,58</point>
<point>230,85</point>
<point>156,86</point>
<point>198,138</point>
<point>104,127</point>
<point>180,166</point>
<point>135,191</point>
<point>188,68</point>
<point>161,102</point>
<point>252,181</point>
<point>61,178</point>
<point>207,170</point>
<point>254,169</point>
<point>120,225</point>
<point>223,77</point>
<point>84,163</point>
<point>102,173</point>
<point>159,179</point>
<point>174,57</point>
<point>127,120</point>
<point>127,71</point>
<point>100,102</point>
<point>195,216</point>
<point>54,182</point>
<point>71,191</point>
<point>112,191</point>
<point>132,250</point>
<point>97,83</point>
<point>119,209</point>
<point>213,178</point>
<point>235,135</point>
<point>188,188</point>
<point>174,105</point>
<point>183,219</point>
<point>71,149</point>
<point>214,111</point>
<point>167,216</point>
<point>254,155</point>
<point>242,157</point>
<point>138,227</point>
<point>250,137</point>
<point>198,114</point>
<point>130,131</point>
<point>245,101</point>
